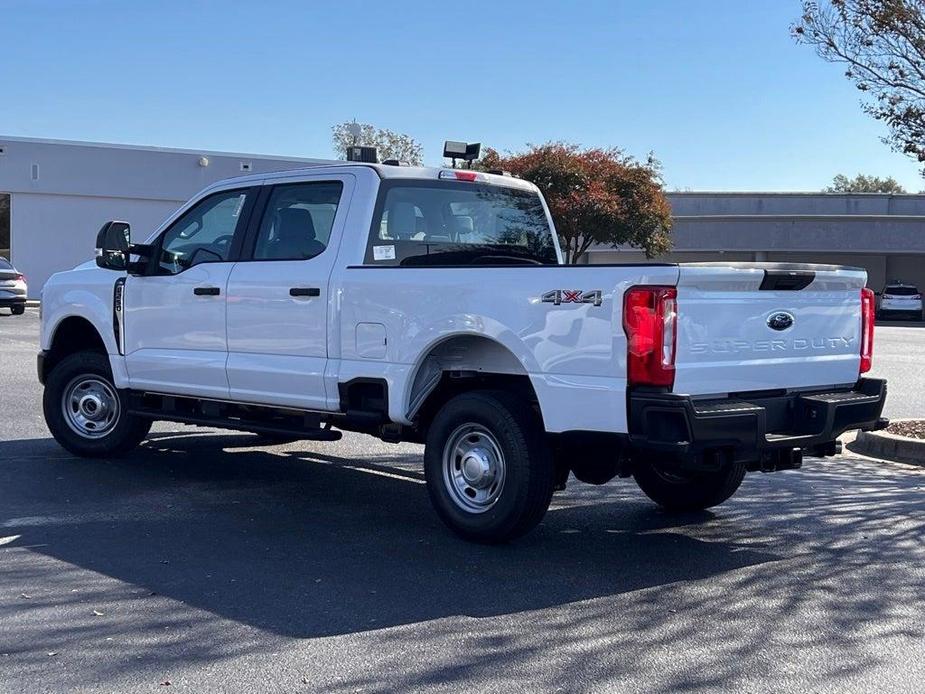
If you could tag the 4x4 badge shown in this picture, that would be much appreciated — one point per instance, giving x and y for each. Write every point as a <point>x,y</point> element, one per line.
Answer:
<point>573,296</point>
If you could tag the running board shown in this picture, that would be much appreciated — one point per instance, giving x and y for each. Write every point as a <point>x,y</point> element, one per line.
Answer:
<point>261,419</point>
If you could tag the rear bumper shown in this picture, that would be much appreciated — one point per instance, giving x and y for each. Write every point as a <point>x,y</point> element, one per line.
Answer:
<point>8,301</point>
<point>765,432</point>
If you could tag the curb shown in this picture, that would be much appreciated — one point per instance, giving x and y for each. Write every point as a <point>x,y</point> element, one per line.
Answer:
<point>880,444</point>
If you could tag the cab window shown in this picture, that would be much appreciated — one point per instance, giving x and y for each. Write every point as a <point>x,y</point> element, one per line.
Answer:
<point>204,234</point>
<point>452,224</point>
<point>298,220</point>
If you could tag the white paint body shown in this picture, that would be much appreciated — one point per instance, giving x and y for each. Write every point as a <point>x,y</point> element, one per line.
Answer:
<point>256,343</point>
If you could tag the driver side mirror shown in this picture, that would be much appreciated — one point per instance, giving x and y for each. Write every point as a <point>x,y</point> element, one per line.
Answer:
<point>113,243</point>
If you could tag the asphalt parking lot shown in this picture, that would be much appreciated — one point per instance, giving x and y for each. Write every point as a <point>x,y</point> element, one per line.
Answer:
<point>205,563</point>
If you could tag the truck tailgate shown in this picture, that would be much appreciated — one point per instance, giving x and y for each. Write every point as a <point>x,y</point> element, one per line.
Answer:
<point>756,327</point>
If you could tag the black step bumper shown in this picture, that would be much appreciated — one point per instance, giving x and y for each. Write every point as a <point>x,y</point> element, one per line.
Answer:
<point>764,431</point>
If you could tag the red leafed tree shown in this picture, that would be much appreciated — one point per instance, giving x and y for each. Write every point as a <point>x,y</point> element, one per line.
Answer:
<point>596,196</point>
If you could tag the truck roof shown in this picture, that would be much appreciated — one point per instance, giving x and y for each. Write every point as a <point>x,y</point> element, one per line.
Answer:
<point>385,171</point>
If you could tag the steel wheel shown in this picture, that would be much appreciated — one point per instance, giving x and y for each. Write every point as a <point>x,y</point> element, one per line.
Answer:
<point>90,406</point>
<point>473,468</point>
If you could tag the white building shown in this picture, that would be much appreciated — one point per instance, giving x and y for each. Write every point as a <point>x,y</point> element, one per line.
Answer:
<point>60,194</point>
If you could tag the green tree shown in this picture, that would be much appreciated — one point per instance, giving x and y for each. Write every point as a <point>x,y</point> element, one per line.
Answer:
<point>864,184</point>
<point>882,43</point>
<point>390,144</point>
<point>596,196</point>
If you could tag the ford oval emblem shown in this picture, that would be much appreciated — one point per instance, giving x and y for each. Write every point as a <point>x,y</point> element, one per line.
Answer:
<point>780,320</point>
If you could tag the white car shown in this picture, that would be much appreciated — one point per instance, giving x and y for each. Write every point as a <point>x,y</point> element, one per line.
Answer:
<point>431,305</point>
<point>13,289</point>
<point>901,300</point>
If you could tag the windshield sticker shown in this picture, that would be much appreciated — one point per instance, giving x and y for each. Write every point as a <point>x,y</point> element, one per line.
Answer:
<point>383,252</point>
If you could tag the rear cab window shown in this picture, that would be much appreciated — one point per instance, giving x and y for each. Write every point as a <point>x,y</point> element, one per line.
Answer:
<point>453,223</point>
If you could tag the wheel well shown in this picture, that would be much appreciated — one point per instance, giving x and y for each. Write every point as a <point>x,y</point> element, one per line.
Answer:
<point>73,334</point>
<point>463,363</point>
<point>454,383</point>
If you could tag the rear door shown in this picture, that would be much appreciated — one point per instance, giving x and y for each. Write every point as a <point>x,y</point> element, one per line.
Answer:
<point>278,299</point>
<point>766,327</point>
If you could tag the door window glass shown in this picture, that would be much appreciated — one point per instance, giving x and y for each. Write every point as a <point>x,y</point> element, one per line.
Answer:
<point>203,234</point>
<point>298,220</point>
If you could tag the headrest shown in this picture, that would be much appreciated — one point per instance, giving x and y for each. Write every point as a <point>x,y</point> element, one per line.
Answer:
<point>461,224</point>
<point>295,223</point>
<point>402,220</point>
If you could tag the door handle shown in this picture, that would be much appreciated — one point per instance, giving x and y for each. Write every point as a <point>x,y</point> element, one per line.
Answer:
<point>207,291</point>
<point>304,291</point>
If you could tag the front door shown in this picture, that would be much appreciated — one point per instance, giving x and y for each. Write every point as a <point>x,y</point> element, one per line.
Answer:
<point>278,295</point>
<point>175,334</point>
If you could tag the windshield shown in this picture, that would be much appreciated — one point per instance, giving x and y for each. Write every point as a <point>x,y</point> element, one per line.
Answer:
<point>452,223</point>
<point>901,291</point>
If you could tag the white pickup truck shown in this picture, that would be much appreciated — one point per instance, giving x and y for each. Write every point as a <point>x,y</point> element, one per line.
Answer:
<point>431,305</point>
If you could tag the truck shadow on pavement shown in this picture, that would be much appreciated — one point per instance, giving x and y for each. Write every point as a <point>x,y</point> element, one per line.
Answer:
<point>298,542</point>
<point>308,544</point>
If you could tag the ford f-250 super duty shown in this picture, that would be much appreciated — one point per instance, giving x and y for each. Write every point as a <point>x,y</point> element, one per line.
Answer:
<point>431,305</point>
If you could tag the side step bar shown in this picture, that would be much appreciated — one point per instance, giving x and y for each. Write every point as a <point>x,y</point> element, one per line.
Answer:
<point>228,415</point>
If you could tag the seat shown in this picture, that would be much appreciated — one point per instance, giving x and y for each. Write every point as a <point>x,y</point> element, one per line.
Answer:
<point>402,220</point>
<point>295,236</point>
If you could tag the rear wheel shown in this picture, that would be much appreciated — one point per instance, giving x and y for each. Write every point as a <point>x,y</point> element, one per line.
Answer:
<point>688,491</point>
<point>489,473</point>
<point>17,310</point>
<point>84,411</point>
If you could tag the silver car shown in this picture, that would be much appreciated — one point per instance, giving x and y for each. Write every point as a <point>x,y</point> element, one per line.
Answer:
<point>13,290</point>
<point>900,300</point>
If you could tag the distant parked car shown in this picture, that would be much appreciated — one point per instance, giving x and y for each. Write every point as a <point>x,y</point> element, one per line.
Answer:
<point>900,300</point>
<point>12,288</point>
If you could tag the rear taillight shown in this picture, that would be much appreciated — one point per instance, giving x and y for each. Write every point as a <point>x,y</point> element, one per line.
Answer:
<point>19,278</point>
<point>650,318</point>
<point>867,329</point>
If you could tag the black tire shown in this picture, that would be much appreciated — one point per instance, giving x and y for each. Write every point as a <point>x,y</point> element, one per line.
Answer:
<point>17,310</point>
<point>527,472</point>
<point>688,491</point>
<point>120,436</point>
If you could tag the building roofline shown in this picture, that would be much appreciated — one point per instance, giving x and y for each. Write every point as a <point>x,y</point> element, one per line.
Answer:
<point>792,217</point>
<point>790,193</point>
<point>167,150</point>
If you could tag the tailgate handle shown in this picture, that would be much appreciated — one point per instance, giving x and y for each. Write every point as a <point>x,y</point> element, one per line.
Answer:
<point>787,280</point>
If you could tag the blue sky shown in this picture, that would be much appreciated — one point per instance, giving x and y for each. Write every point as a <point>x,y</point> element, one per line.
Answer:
<point>716,88</point>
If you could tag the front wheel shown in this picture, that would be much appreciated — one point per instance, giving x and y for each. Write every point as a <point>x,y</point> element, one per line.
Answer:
<point>489,473</point>
<point>84,411</point>
<point>688,491</point>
